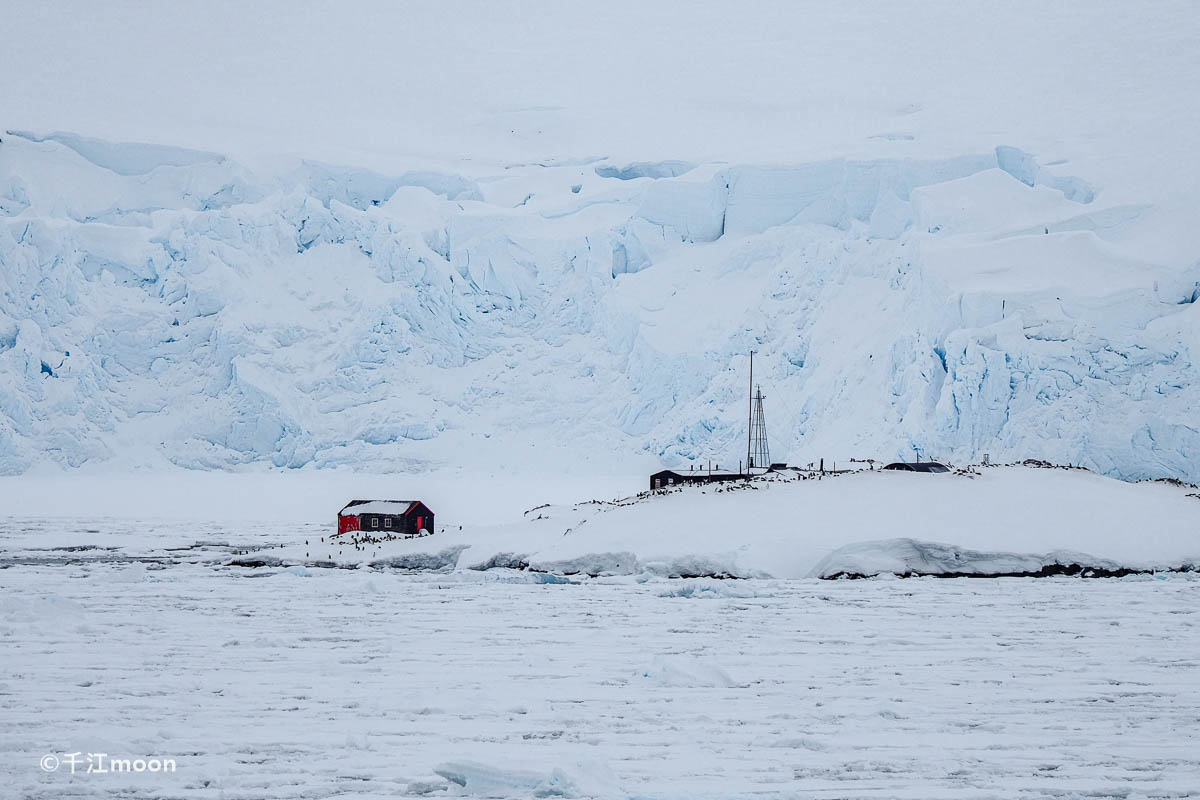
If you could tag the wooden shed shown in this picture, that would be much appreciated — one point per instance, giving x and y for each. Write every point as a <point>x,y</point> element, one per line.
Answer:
<point>670,477</point>
<point>400,518</point>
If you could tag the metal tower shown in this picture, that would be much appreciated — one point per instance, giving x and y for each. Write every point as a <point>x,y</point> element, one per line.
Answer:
<point>757,454</point>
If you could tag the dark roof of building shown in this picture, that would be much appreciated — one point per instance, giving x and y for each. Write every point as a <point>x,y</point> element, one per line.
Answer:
<point>394,507</point>
<point>918,466</point>
<point>699,475</point>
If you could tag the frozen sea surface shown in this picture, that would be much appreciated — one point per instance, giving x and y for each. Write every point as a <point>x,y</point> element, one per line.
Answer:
<point>305,682</point>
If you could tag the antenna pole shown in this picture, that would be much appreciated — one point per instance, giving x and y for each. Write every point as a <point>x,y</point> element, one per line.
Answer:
<point>761,453</point>
<point>750,418</point>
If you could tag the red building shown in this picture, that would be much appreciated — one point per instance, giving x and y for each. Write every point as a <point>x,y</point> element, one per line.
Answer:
<point>401,518</point>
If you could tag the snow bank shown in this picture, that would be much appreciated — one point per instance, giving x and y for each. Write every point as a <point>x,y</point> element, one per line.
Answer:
<point>683,565</point>
<point>908,557</point>
<point>593,564</point>
<point>785,528</point>
<point>425,562</point>
<point>1013,520</point>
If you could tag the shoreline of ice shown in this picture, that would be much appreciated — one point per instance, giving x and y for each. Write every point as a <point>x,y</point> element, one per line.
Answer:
<point>1010,521</point>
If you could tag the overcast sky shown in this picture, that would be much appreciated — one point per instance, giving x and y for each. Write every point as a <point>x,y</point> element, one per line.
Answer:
<point>552,79</point>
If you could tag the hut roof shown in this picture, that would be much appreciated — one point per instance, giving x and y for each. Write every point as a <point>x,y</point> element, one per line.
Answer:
<point>918,466</point>
<point>394,507</point>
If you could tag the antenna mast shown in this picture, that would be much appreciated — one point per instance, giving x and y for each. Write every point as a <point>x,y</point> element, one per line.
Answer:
<point>760,456</point>
<point>757,454</point>
<point>750,418</point>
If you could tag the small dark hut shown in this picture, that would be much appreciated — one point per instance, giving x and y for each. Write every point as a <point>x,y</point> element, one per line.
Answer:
<point>668,477</point>
<point>917,466</point>
<point>397,517</point>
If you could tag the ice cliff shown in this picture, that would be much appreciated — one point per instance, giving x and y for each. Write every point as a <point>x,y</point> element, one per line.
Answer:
<point>161,304</point>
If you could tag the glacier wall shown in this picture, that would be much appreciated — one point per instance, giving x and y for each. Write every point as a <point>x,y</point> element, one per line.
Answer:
<point>166,305</point>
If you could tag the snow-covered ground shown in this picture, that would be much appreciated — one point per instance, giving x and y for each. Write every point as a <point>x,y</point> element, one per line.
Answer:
<point>363,684</point>
<point>545,650</point>
<point>987,521</point>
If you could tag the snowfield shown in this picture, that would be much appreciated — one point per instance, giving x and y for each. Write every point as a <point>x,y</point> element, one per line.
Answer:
<point>562,651</point>
<point>366,684</point>
<point>997,520</point>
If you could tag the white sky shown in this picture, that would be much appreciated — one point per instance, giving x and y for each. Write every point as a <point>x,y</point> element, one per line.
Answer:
<point>532,80</point>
